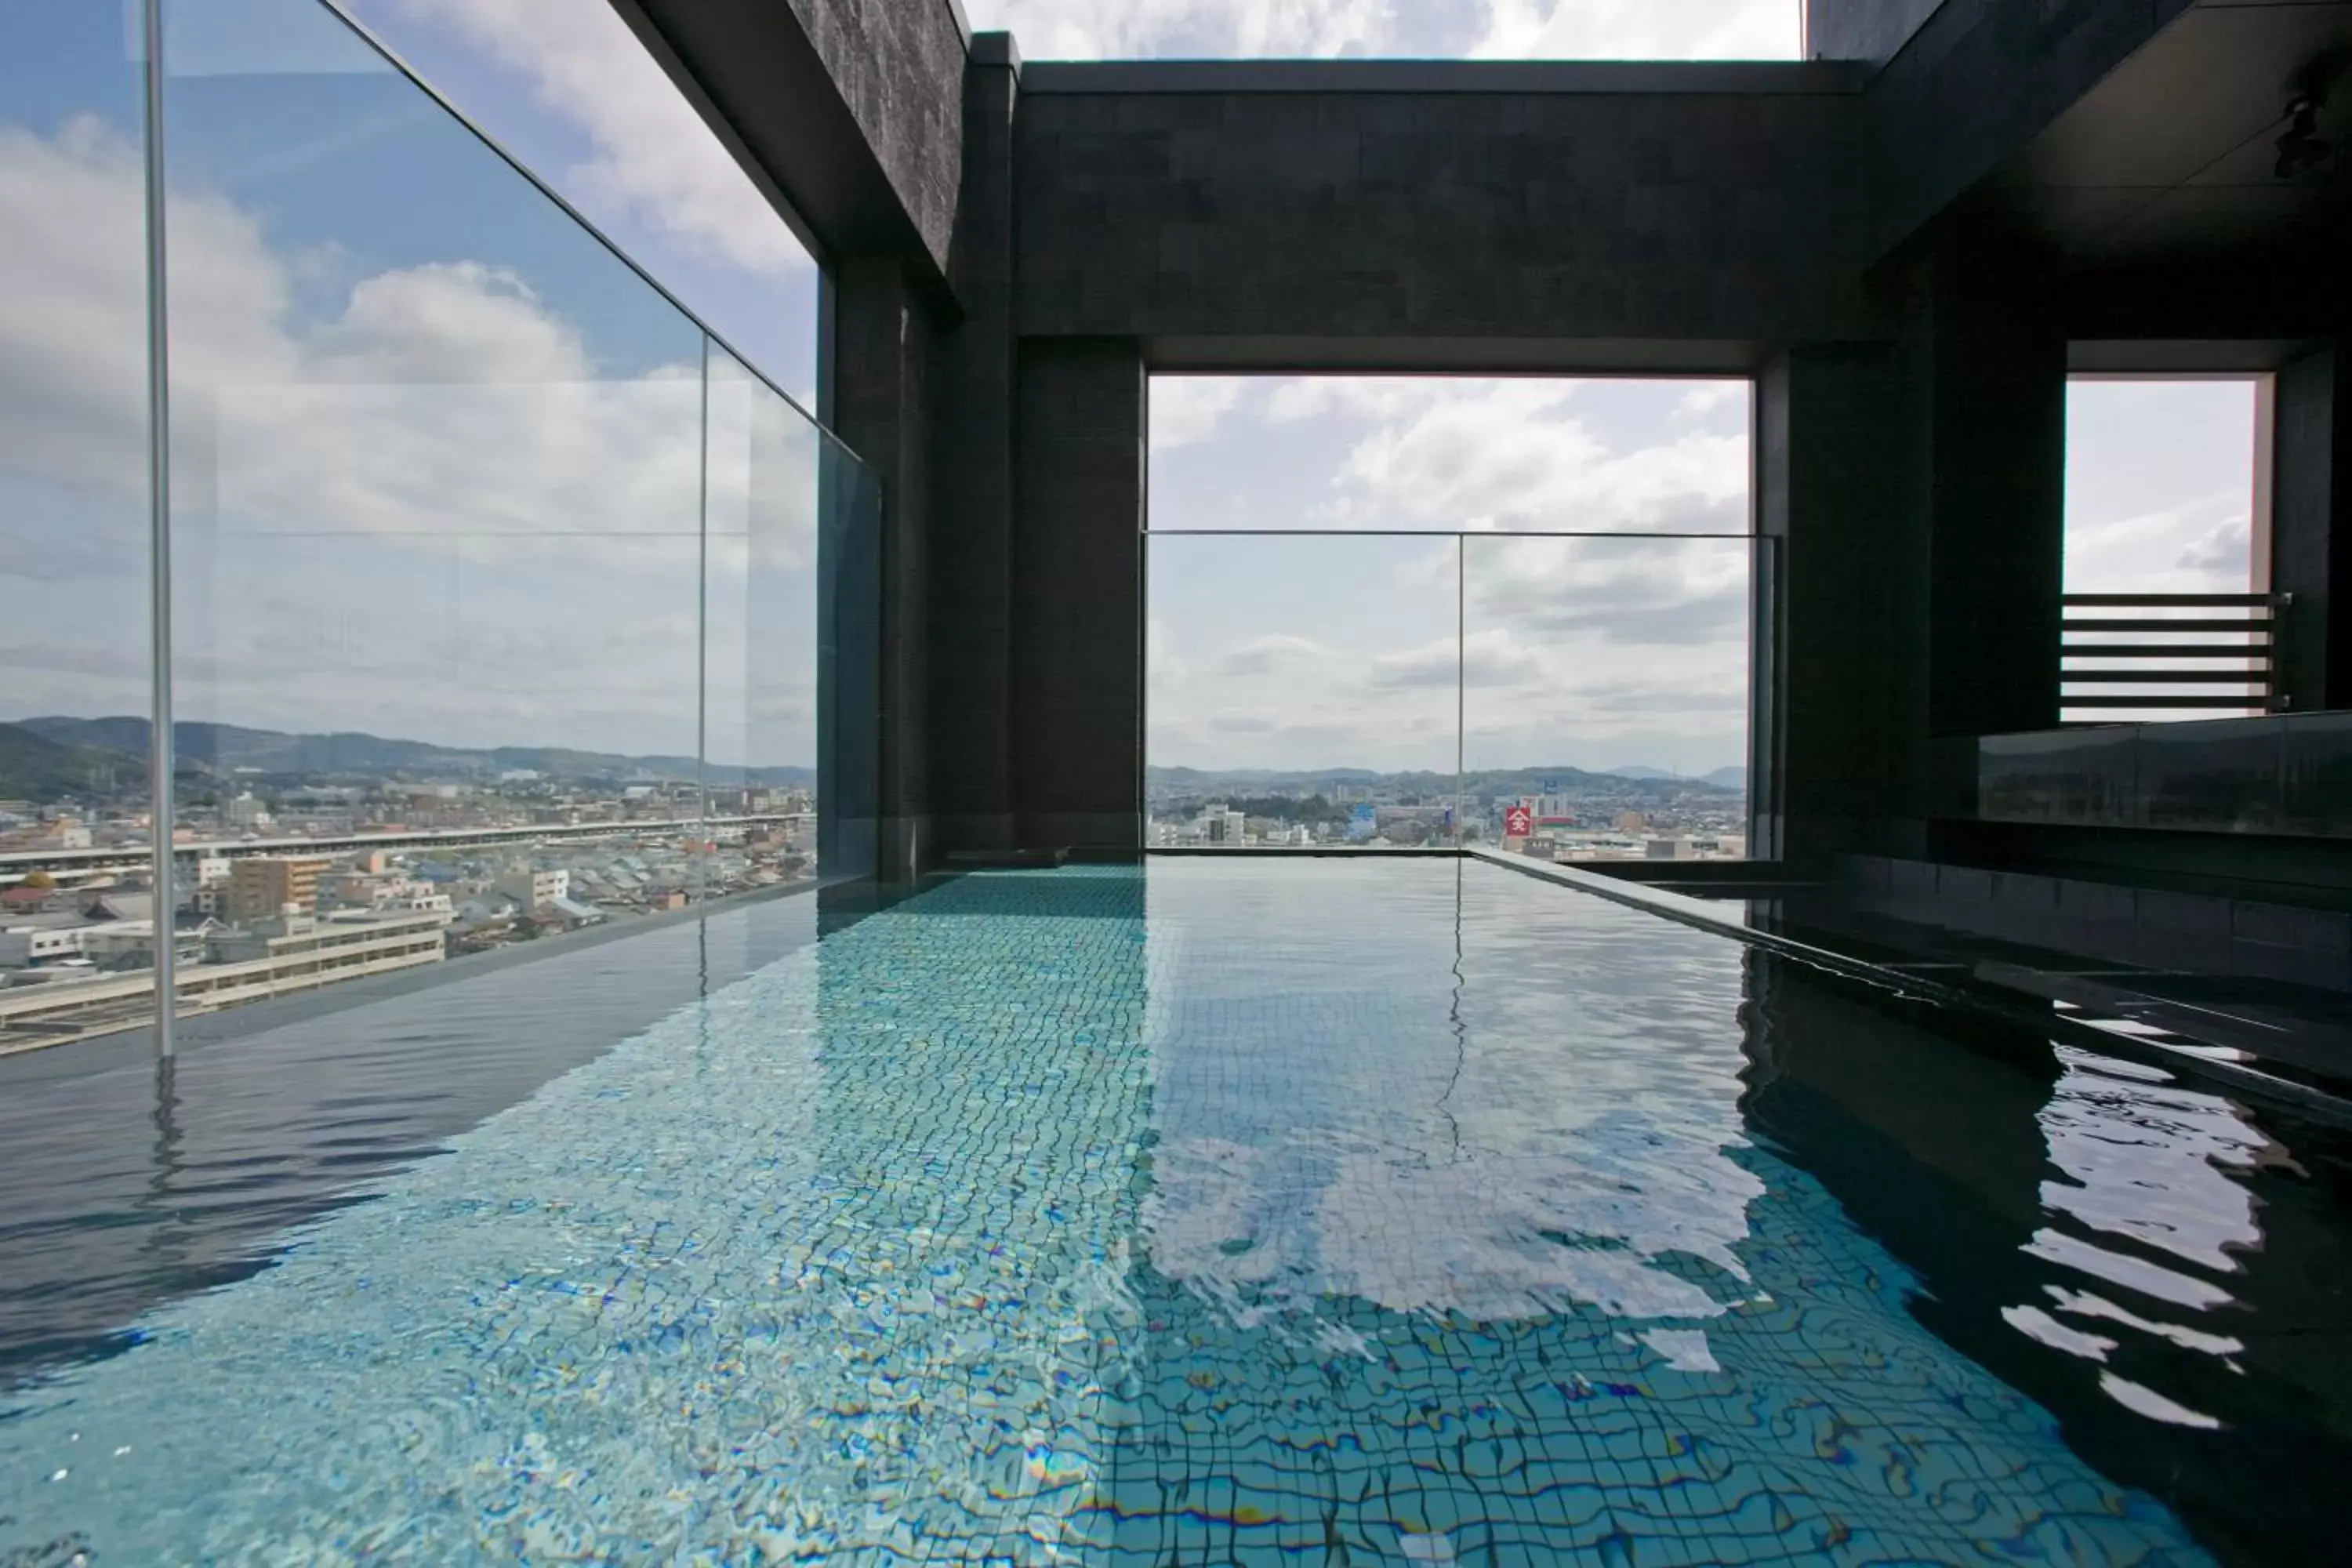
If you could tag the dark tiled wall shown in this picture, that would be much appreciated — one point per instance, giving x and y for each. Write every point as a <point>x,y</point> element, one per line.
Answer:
<point>2283,776</point>
<point>1441,214</point>
<point>2153,929</point>
<point>2311,529</point>
<point>1077,608</point>
<point>972,495</point>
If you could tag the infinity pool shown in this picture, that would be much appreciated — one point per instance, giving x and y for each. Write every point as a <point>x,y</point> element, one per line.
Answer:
<point>1312,1212</point>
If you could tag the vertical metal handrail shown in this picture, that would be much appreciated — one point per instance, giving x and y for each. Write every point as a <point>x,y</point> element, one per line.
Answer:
<point>161,761</point>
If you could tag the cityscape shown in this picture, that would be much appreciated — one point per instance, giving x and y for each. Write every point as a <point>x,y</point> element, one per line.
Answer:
<point>303,862</point>
<point>1560,813</point>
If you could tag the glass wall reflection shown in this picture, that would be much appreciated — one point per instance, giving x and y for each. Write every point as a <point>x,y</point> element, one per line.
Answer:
<point>437,528</point>
<point>504,598</point>
<point>77,906</point>
<point>760,647</point>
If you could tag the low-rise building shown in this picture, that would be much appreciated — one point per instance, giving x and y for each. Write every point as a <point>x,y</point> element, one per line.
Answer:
<point>264,887</point>
<point>533,887</point>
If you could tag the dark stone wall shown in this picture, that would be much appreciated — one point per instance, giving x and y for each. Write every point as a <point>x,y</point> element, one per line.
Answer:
<point>1646,201</point>
<point>1984,354</point>
<point>846,113</point>
<point>1077,603</point>
<point>973,485</point>
<point>880,400</point>
<point>898,65</point>
<point>2311,529</point>
<point>1869,30</point>
<point>1843,675</point>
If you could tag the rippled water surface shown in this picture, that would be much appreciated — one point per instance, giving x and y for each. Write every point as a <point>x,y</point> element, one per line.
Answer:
<point>1224,1212</point>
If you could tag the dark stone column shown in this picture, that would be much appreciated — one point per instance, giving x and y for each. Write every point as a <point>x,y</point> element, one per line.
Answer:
<point>1078,605</point>
<point>1913,499</point>
<point>1835,654</point>
<point>878,395</point>
<point>971,495</point>
<point>1986,352</point>
<point>2311,530</point>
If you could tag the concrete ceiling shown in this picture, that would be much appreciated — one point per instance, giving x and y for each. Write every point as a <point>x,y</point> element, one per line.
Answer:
<point>2173,152</point>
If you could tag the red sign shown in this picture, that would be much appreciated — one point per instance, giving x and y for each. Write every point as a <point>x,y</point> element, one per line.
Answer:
<point>1518,822</point>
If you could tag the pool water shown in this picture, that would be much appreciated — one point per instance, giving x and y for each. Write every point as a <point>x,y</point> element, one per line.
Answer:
<point>1332,1211</point>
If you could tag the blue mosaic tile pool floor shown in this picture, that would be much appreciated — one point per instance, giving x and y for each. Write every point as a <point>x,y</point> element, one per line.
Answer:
<point>1230,1212</point>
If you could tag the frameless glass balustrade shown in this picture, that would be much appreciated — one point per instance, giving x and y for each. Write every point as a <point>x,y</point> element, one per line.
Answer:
<point>504,600</point>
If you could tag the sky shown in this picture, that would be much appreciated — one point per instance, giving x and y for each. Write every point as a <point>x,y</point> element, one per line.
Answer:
<point>1520,29</point>
<point>1342,645</point>
<point>437,451</point>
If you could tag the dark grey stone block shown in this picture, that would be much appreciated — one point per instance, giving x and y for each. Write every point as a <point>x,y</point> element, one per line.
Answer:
<point>2185,913</point>
<point>2320,931</point>
<point>1963,883</point>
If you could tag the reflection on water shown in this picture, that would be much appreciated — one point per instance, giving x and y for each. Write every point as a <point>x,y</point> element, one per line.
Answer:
<point>1323,1147</point>
<point>123,1182</point>
<point>2163,1267</point>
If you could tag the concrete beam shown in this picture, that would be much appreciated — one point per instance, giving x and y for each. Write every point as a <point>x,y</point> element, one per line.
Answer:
<point>849,113</point>
<point>1326,204</point>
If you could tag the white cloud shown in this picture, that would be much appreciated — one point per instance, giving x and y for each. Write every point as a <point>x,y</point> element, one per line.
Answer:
<point>426,512</point>
<point>1186,409</point>
<point>1642,30</point>
<point>655,160</point>
<point>2224,550</point>
<point>1515,455</point>
<point>1271,655</point>
<point>1687,29</point>
<point>1094,29</point>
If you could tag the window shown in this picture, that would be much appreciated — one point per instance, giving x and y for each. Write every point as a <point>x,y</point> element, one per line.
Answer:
<point>2165,522</point>
<point>1409,612</point>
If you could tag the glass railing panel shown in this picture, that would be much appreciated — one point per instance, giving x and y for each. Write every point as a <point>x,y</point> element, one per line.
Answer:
<point>437,529</point>
<point>566,88</point>
<point>760,627</point>
<point>848,666</point>
<point>1606,695</point>
<point>1302,691</point>
<point>75,691</point>
<point>2089,777</point>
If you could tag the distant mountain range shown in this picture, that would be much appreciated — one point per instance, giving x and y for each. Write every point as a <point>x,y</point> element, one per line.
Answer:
<point>43,759</point>
<point>35,767</point>
<point>1647,785</point>
<point>1728,778</point>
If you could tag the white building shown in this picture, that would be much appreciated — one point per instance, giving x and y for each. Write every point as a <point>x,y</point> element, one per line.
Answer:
<point>42,939</point>
<point>533,887</point>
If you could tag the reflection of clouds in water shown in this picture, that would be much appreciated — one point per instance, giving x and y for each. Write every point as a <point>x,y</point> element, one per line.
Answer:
<point>2152,1163</point>
<point>1561,1161</point>
<point>2149,1166</point>
<point>1495,1236</point>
